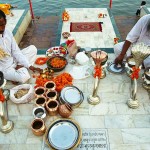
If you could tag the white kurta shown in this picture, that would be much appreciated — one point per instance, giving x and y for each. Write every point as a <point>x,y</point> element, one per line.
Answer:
<point>25,57</point>
<point>138,33</point>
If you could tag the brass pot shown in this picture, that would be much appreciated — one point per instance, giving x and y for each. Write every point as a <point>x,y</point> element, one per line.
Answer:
<point>39,91</point>
<point>51,95</point>
<point>65,110</point>
<point>41,101</point>
<point>38,127</point>
<point>52,107</point>
<point>50,85</point>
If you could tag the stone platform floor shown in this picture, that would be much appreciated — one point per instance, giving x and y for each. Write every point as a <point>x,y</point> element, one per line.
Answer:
<point>127,129</point>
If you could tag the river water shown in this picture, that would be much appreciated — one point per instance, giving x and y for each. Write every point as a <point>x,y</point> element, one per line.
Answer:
<point>53,7</point>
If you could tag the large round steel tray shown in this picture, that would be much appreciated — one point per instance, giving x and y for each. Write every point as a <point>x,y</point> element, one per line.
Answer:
<point>63,134</point>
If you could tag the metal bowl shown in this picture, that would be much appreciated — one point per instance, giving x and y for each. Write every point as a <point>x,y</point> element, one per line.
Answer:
<point>54,68</point>
<point>63,134</point>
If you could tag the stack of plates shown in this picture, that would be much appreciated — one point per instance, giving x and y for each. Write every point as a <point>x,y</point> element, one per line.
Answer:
<point>71,95</point>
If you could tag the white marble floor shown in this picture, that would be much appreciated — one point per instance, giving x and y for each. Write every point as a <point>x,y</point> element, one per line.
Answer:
<point>13,20</point>
<point>104,39</point>
<point>124,128</point>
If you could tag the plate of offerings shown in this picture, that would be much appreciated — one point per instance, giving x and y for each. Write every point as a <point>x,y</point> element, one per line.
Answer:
<point>63,134</point>
<point>56,51</point>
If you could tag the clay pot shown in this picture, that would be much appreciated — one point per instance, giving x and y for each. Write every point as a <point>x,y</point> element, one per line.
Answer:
<point>38,127</point>
<point>39,91</point>
<point>50,85</point>
<point>65,110</point>
<point>51,95</point>
<point>41,101</point>
<point>52,107</point>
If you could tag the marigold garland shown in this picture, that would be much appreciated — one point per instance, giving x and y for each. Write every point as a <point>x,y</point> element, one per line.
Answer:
<point>135,73</point>
<point>2,98</point>
<point>41,60</point>
<point>98,71</point>
<point>65,16</point>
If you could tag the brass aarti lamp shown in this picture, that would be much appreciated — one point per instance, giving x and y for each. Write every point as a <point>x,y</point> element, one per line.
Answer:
<point>7,125</point>
<point>100,58</point>
<point>139,53</point>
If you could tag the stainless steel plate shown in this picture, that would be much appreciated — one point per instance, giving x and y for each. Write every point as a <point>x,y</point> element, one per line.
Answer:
<point>112,67</point>
<point>72,95</point>
<point>63,134</point>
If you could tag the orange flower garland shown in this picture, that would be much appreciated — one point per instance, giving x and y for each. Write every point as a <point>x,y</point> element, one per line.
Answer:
<point>65,16</point>
<point>135,73</point>
<point>2,98</point>
<point>61,81</point>
<point>41,60</point>
<point>98,71</point>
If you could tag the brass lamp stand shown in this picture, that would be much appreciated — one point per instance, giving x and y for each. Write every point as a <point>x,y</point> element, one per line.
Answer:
<point>139,52</point>
<point>7,125</point>
<point>100,58</point>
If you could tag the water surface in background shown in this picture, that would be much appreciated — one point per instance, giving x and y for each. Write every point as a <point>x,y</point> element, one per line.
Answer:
<point>53,7</point>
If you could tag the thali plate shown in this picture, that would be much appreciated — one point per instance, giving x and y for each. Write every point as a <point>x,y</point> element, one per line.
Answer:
<point>63,134</point>
<point>72,95</point>
<point>56,51</point>
<point>112,67</point>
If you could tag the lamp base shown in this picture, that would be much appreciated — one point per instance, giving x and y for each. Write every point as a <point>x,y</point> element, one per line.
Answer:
<point>93,100</point>
<point>133,103</point>
<point>8,127</point>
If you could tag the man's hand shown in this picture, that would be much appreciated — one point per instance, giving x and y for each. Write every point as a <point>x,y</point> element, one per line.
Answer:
<point>35,69</point>
<point>18,67</point>
<point>119,59</point>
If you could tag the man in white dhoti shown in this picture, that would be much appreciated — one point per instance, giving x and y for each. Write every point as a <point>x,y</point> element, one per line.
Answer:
<point>139,33</point>
<point>14,63</point>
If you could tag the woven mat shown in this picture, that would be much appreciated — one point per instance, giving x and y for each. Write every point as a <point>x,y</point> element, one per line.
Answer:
<point>85,27</point>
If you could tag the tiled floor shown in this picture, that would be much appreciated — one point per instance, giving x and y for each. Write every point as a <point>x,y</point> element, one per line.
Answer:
<point>127,129</point>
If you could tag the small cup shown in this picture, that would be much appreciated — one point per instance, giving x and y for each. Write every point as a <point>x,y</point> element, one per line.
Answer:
<point>41,101</point>
<point>38,127</point>
<point>39,112</point>
<point>51,95</point>
<point>50,85</point>
<point>52,107</point>
<point>39,91</point>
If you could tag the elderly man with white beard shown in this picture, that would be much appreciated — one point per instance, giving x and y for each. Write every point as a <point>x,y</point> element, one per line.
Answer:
<point>139,33</point>
<point>14,63</point>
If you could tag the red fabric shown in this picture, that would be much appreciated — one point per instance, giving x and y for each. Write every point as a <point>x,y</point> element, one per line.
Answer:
<point>85,27</point>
